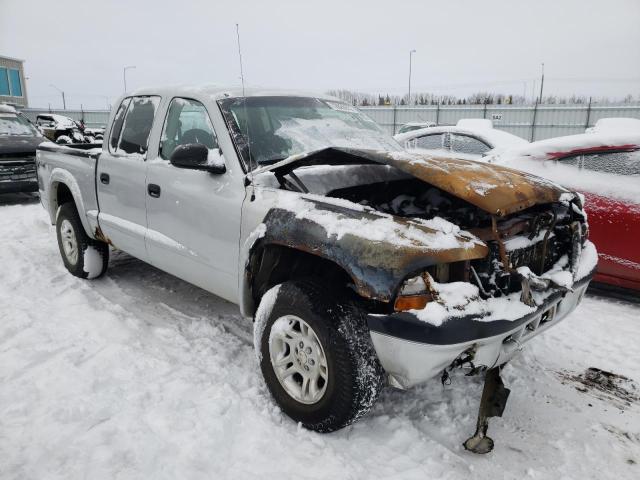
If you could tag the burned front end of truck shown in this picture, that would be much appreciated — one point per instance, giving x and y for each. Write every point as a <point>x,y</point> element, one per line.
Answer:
<point>458,263</point>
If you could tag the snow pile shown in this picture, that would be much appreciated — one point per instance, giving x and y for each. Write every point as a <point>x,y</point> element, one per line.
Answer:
<point>617,187</point>
<point>588,260</point>
<point>215,158</point>
<point>462,299</point>
<point>434,234</point>
<point>140,375</point>
<point>562,146</point>
<point>262,316</point>
<point>92,262</point>
<point>615,125</point>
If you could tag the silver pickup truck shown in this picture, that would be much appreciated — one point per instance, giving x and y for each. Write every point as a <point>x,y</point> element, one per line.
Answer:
<point>360,263</point>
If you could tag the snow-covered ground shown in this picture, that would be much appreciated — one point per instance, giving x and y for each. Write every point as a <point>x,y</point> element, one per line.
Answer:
<point>140,375</point>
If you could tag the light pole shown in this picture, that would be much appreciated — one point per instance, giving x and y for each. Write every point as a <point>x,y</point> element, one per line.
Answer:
<point>541,83</point>
<point>411,52</point>
<point>64,103</point>
<point>124,76</point>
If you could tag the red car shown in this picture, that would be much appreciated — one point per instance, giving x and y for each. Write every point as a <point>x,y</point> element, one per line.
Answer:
<point>604,165</point>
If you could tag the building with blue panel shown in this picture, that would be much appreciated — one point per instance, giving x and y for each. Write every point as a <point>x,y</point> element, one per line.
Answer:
<point>13,89</point>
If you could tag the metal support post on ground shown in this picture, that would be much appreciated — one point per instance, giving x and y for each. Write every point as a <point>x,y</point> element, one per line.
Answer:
<point>494,399</point>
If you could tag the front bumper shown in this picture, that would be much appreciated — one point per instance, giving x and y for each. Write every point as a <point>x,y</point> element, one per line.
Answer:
<point>18,176</point>
<point>412,351</point>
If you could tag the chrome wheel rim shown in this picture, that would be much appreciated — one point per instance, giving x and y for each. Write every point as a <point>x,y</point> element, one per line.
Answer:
<point>298,359</point>
<point>69,242</point>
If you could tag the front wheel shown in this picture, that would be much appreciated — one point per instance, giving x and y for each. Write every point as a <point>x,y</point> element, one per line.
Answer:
<point>316,355</point>
<point>82,256</point>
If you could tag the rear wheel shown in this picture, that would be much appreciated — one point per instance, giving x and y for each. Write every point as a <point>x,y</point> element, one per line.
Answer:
<point>316,355</point>
<point>81,255</point>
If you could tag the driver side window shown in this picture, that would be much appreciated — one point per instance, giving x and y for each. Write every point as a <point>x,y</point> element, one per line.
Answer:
<point>187,122</point>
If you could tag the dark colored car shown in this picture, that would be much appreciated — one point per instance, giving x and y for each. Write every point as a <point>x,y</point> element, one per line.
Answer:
<point>19,139</point>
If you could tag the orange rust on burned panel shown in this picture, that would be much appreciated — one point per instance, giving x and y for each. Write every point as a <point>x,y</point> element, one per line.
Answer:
<point>495,189</point>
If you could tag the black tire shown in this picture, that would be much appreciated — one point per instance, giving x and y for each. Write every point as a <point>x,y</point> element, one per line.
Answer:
<point>92,256</point>
<point>355,376</point>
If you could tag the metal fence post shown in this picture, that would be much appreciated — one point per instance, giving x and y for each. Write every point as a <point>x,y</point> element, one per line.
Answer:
<point>586,125</point>
<point>394,119</point>
<point>484,110</point>
<point>533,122</point>
<point>438,113</point>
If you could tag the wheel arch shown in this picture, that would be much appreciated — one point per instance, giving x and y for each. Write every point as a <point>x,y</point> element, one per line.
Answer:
<point>64,188</point>
<point>271,263</point>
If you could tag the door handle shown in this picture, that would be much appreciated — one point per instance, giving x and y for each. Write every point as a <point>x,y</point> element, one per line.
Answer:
<point>154,190</point>
<point>104,178</point>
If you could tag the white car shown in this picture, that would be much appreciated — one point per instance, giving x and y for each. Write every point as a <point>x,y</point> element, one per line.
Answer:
<point>470,139</point>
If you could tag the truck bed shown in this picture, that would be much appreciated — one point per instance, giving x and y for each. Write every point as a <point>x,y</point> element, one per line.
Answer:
<point>75,166</point>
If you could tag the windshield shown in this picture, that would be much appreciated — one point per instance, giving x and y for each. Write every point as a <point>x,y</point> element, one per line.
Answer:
<point>12,124</point>
<point>281,126</point>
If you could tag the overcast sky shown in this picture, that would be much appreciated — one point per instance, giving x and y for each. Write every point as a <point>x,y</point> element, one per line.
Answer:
<point>588,47</point>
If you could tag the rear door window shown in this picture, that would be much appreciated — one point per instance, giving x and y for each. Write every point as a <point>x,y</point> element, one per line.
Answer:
<point>617,163</point>
<point>138,120</point>
<point>468,145</point>
<point>437,141</point>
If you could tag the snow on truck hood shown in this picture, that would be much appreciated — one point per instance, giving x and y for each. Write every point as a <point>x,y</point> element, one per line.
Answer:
<point>495,189</point>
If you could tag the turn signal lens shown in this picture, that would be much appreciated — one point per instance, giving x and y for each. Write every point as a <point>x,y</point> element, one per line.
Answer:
<point>412,302</point>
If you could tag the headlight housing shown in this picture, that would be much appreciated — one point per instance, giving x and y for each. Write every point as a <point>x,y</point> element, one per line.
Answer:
<point>414,294</point>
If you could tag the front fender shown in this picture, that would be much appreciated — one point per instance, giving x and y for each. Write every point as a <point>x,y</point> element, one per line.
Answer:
<point>378,251</point>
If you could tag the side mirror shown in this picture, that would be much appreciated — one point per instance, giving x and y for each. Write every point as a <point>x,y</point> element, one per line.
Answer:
<point>196,156</point>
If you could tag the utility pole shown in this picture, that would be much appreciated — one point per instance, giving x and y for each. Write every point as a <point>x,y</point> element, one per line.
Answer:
<point>64,103</point>
<point>124,75</point>
<point>541,84</point>
<point>411,52</point>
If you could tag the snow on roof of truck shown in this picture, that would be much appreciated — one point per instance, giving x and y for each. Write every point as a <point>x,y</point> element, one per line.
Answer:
<point>217,92</point>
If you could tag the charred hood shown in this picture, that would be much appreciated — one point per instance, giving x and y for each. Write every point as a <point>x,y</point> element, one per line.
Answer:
<point>495,189</point>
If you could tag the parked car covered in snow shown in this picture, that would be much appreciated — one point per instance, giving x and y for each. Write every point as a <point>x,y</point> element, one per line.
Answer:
<point>470,138</point>
<point>604,165</point>
<point>63,130</point>
<point>18,141</point>
<point>359,262</point>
